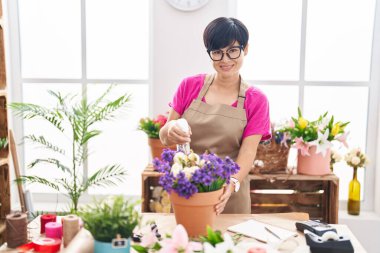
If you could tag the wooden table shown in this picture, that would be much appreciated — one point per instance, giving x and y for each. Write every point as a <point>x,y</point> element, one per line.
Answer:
<point>166,224</point>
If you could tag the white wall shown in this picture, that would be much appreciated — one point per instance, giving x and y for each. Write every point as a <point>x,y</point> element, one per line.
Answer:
<point>177,46</point>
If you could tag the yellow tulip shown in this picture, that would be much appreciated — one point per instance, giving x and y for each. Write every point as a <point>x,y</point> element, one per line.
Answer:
<point>335,130</point>
<point>302,122</point>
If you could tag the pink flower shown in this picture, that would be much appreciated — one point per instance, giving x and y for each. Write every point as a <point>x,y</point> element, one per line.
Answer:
<point>148,239</point>
<point>343,139</point>
<point>161,119</point>
<point>179,242</point>
<point>291,124</point>
<point>302,146</point>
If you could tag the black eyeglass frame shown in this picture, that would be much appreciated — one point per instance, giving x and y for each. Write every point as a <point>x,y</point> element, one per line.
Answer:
<point>241,47</point>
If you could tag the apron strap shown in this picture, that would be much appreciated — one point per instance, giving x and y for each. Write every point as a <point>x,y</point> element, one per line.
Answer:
<point>241,96</point>
<point>206,84</point>
<point>208,81</point>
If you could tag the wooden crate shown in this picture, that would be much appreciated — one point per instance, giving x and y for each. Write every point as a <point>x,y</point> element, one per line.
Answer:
<point>149,191</point>
<point>316,195</point>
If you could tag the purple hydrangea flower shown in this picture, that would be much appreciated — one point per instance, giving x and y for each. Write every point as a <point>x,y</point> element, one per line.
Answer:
<point>211,176</point>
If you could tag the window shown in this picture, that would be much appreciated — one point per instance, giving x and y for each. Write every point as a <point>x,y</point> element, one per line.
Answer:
<point>81,47</point>
<point>301,59</point>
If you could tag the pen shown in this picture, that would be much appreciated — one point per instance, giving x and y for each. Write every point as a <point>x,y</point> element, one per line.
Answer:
<point>273,233</point>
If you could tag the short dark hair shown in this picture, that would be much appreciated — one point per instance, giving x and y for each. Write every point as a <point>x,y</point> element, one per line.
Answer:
<point>222,32</point>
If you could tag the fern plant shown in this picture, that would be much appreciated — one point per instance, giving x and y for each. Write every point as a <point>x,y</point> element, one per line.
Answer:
<point>106,219</point>
<point>74,120</point>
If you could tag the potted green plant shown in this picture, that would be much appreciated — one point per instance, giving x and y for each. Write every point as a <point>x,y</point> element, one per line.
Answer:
<point>152,128</point>
<point>111,223</point>
<point>76,122</point>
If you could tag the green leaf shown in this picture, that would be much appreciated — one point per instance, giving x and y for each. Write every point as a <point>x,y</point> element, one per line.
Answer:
<point>88,135</point>
<point>106,176</point>
<point>36,179</point>
<point>299,112</point>
<point>44,143</point>
<point>139,248</point>
<point>53,161</point>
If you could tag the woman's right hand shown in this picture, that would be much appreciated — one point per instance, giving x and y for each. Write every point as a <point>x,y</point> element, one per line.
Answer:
<point>175,135</point>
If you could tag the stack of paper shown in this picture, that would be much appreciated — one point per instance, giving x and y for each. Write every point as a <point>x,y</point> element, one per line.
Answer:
<point>261,231</point>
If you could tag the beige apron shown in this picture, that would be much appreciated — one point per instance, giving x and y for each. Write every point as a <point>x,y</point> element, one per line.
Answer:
<point>219,129</point>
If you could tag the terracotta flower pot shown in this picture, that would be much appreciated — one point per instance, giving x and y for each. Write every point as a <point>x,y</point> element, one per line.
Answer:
<point>196,212</point>
<point>156,147</point>
<point>315,164</point>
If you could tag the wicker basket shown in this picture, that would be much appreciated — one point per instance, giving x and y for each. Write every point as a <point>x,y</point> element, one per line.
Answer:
<point>274,156</point>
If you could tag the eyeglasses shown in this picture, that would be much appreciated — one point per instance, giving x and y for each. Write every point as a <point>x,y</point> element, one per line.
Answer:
<point>232,53</point>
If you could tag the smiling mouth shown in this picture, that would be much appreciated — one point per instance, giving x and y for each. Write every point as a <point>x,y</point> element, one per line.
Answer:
<point>226,67</point>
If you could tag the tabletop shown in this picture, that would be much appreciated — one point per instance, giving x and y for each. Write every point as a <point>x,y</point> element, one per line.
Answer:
<point>83,242</point>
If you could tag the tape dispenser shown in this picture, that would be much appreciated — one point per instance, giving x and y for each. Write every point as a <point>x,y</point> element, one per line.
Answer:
<point>323,238</point>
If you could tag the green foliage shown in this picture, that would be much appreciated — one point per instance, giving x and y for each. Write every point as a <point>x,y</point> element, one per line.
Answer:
<point>3,143</point>
<point>308,130</point>
<point>152,126</point>
<point>76,122</point>
<point>105,220</point>
<point>213,237</point>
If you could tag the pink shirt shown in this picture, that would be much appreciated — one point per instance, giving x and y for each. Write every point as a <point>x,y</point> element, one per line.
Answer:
<point>256,105</point>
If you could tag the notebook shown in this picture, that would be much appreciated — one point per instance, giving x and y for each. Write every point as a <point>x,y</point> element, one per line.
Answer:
<point>261,231</point>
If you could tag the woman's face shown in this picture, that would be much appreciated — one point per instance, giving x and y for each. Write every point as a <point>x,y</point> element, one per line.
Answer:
<point>229,67</point>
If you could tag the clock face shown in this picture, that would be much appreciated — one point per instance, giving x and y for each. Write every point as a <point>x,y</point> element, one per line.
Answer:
<point>187,5</point>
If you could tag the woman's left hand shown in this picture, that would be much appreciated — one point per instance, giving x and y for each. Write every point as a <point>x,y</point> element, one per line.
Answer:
<point>228,189</point>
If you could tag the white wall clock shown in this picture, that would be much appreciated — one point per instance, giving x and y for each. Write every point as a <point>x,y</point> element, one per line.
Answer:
<point>187,5</point>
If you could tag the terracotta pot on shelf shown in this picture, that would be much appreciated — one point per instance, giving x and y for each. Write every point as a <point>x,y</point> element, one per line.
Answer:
<point>196,212</point>
<point>315,164</point>
<point>156,147</point>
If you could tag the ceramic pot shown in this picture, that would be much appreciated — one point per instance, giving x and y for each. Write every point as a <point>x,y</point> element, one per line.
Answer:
<point>156,147</point>
<point>314,164</point>
<point>106,247</point>
<point>196,212</point>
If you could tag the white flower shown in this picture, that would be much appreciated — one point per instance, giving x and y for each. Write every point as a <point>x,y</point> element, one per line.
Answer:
<point>176,168</point>
<point>180,158</point>
<point>189,171</point>
<point>355,160</point>
<point>193,157</point>
<point>336,156</point>
<point>201,163</point>
<point>322,143</point>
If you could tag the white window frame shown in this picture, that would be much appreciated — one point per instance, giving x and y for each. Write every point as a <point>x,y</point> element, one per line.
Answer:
<point>368,203</point>
<point>16,82</point>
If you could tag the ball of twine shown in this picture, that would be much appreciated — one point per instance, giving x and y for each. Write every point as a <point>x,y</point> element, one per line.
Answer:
<point>16,228</point>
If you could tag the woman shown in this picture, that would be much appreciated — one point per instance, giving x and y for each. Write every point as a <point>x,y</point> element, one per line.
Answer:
<point>225,116</point>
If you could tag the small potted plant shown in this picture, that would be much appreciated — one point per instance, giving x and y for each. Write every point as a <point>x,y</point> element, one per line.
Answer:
<point>152,128</point>
<point>195,184</point>
<point>313,140</point>
<point>111,223</point>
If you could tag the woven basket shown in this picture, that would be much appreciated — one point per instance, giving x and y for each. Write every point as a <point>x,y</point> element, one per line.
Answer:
<point>274,156</point>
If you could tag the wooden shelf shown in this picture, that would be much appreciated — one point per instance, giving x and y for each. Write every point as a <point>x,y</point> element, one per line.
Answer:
<point>292,177</point>
<point>3,93</point>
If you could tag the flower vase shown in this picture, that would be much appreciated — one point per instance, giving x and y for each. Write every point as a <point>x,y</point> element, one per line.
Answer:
<point>156,147</point>
<point>314,164</point>
<point>196,212</point>
<point>353,205</point>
